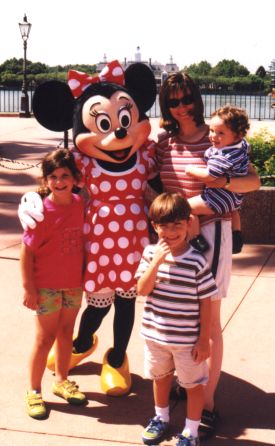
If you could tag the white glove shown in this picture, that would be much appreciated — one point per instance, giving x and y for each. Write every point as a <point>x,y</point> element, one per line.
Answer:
<point>30,210</point>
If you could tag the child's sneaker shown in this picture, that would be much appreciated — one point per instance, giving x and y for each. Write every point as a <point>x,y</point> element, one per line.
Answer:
<point>154,432</point>
<point>185,439</point>
<point>35,405</point>
<point>69,391</point>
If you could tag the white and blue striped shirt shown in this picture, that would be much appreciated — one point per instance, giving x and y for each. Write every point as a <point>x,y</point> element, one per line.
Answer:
<point>231,161</point>
<point>171,311</point>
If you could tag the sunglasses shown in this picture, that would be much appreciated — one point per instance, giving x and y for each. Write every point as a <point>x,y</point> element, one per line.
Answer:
<point>185,100</point>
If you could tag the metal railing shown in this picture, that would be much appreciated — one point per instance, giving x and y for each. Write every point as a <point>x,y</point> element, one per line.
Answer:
<point>257,107</point>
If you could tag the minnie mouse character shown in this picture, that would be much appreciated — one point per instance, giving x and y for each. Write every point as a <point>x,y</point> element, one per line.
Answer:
<point>110,134</point>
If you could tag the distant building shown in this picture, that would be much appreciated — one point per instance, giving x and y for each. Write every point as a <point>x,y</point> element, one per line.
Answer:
<point>272,72</point>
<point>160,71</point>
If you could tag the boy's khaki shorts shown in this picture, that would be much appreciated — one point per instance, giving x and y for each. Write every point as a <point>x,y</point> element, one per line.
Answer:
<point>162,360</point>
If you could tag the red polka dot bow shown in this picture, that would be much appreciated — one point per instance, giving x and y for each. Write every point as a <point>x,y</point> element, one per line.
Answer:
<point>78,81</point>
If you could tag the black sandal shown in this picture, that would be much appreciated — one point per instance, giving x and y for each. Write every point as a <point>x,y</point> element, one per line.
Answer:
<point>208,424</point>
<point>237,242</point>
<point>178,393</point>
<point>199,243</point>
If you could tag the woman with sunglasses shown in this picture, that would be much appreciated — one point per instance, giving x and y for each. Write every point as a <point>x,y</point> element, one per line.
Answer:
<point>183,143</point>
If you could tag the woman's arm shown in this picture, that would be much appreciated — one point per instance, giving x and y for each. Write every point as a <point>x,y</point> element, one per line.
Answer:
<point>201,173</point>
<point>245,184</point>
<point>242,185</point>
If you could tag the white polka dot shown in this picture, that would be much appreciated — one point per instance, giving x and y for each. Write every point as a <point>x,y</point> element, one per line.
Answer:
<point>117,71</point>
<point>104,211</point>
<point>108,243</point>
<point>141,168</point>
<point>112,275</point>
<point>136,184</point>
<point>100,278</point>
<point>113,226</point>
<point>73,84</point>
<point>94,248</point>
<point>94,189</point>
<point>119,209</point>
<point>98,229</point>
<point>121,185</point>
<point>90,286</point>
<point>95,172</point>
<point>130,196</point>
<point>92,267</point>
<point>105,186</point>
<point>135,209</point>
<point>141,225</point>
<point>85,161</point>
<point>125,276</point>
<point>129,225</point>
<point>104,260</point>
<point>131,259</point>
<point>86,228</point>
<point>123,242</point>
<point>104,71</point>
<point>117,259</point>
<point>144,241</point>
<point>113,198</point>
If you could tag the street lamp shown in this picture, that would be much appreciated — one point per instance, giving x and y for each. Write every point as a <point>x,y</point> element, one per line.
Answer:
<point>25,28</point>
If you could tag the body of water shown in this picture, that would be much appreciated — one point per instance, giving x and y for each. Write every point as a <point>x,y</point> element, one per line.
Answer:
<point>257,107</point>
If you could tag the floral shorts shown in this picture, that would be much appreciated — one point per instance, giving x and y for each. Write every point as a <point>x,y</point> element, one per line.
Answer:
<point>51,300</point>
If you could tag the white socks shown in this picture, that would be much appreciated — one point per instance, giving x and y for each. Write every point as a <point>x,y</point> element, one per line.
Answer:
<point>163,413</point>
<point>191,427</point>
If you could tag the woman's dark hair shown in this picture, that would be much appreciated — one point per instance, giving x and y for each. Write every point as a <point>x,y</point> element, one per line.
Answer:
<point>179,82</point>
<point>54,160</point>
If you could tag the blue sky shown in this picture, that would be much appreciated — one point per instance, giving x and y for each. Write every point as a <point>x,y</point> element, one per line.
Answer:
<point>66,32</point>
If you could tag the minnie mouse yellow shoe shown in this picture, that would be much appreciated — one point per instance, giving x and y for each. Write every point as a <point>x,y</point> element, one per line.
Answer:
<point>76,358</point>
<point>115,382</point>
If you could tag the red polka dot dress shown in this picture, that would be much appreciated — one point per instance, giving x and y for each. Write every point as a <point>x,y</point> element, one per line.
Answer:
<point>116,225</point>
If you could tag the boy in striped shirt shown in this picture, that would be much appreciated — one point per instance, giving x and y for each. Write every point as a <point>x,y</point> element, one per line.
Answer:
<point>177,284</point>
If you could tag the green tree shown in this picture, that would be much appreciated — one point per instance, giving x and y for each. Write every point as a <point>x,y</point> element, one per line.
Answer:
<point>201,69</point>
<point>13,66</point>
<point>229,68</point>
<point>261,72</point>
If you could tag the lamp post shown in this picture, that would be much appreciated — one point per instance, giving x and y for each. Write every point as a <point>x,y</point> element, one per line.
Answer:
<point>25,28</point>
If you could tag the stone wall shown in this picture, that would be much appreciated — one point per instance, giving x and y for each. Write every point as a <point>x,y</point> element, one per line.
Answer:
<point>258,216</point>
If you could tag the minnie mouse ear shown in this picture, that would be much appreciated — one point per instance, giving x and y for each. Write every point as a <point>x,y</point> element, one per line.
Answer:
<point>53,106</point>
<point>141,83</point>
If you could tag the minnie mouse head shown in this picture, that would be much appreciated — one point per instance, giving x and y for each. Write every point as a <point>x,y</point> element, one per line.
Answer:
<point>106,112</point>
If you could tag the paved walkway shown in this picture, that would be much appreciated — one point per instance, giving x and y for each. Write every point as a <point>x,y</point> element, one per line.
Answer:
<point>245,396</point>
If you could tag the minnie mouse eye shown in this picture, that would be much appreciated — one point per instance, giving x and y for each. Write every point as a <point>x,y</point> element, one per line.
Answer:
<point>103,123</point>
<point>125,118</point>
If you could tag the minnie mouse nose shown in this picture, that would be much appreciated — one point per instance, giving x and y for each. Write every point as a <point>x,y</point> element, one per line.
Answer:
<point>120,132</point>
